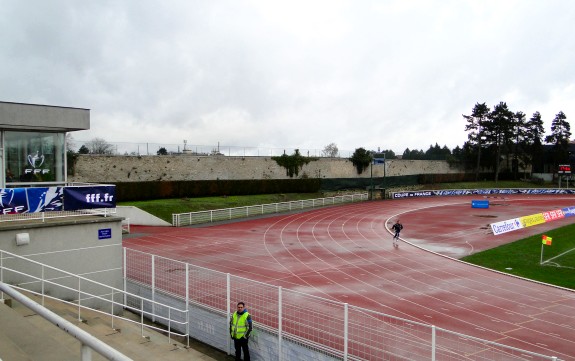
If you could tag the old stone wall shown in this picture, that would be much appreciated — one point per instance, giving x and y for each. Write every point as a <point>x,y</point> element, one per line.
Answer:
<point>102,169</point>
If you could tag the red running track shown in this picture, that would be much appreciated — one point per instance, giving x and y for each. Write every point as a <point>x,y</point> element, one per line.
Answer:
<point>345,253</point>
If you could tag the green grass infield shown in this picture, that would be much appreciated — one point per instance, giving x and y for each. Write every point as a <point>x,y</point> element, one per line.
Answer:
<point>523,258</point>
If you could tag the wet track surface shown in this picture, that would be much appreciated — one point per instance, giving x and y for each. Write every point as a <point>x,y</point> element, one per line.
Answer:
<point>345,253</point>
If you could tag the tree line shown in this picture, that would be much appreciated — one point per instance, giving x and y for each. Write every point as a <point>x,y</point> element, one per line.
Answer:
<point>496,136</point>
<point>499,134</point>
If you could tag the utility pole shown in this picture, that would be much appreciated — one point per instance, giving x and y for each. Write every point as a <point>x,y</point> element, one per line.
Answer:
<point>371,180</point>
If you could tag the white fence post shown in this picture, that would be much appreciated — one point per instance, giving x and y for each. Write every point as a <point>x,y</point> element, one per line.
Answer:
<point>43,283</point>
<point>188,303</point>
<point>228,299</point>
<point>432,343</point>
<point>142,317</point>
<point>125,277</point>
<point>153,288</point>
<point>280,323</point>
<point>86,353</point>
<point>345,329</point>
<point>112,309</point>
<point>79,299</point>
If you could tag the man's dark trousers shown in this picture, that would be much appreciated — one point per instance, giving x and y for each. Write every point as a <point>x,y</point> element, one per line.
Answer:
<point>242,344</point>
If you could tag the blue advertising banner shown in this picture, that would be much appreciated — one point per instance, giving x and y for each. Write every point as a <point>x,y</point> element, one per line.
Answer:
<point>89,197</point>
<point>30,200</point>
<point>465,192</point>
<point>569,211</point>
<point>45,199</point>
<point>13,200</point>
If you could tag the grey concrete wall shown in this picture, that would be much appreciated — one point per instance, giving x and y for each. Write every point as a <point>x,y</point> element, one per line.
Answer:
<point>43,117</point>
<point>70,244</point>
<point>102,169</point>
<point>134,215</point>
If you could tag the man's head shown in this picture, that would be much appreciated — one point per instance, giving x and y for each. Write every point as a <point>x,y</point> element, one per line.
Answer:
<point>241,306</point>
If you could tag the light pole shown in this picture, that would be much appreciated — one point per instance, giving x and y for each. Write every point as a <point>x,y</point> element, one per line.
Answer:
<point>378,161</point>
<point>371,179</point>
<point>384,166</point>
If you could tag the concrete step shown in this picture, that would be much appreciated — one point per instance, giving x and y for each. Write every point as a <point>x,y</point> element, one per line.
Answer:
<point>25,337</point>
<point>34,338</point>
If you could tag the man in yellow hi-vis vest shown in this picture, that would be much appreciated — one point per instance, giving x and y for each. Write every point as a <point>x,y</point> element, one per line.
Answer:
<point>240,329</point>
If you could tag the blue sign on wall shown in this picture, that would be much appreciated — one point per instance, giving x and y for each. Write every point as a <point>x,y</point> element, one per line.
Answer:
<point>105,233</point>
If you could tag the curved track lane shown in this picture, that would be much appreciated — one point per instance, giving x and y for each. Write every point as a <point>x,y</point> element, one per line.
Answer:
<point>345,253</point>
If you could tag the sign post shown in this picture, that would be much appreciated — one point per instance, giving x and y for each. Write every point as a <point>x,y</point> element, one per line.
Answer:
<point>380,161</point>
<point>563,169</point>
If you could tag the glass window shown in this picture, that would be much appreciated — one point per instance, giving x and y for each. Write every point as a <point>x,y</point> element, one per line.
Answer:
<point>34,157</point>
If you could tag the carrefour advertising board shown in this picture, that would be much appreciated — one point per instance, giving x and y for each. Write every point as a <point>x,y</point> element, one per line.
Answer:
<point>531,220</point>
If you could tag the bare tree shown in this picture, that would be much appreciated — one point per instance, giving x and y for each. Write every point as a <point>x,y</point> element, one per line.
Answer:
<point>330,150</point>
<point>70,143</point>
<point>99,146</point>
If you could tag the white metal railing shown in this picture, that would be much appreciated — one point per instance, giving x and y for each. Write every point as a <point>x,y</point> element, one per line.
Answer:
<point>43,216</point>
<point>24,274</point>
<point>215,215</point>
<point>329,327</point>
<point>88,341</point>
<point>126,225</point>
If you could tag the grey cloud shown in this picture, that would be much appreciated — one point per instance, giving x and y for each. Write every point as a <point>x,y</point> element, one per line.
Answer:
<point>393,74</point>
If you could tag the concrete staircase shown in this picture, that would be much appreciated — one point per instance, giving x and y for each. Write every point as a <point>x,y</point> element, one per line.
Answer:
<point>26,336</point>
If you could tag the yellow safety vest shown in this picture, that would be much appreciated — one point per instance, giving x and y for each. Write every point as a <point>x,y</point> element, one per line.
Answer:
<point>239,325</point>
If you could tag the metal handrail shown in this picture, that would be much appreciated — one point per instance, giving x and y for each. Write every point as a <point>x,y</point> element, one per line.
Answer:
<point>112,291</point>
<point>42,216</point>
<point>88,341</point>
<point>186,219</point>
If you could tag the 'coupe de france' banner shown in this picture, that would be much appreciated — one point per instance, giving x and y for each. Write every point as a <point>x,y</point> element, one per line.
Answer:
<point>30,200</point>
<point>89,197</point>
<point>485,192</point>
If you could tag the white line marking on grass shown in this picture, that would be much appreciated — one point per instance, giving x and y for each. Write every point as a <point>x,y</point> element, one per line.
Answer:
<point>559,255</point>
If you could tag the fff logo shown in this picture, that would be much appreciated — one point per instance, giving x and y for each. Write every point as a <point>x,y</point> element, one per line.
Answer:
<point>36,161</point>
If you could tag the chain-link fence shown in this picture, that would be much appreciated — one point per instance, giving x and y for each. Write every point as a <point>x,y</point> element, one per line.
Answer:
<point>294,325</point>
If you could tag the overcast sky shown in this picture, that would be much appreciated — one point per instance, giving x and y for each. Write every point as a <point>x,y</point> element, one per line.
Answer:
<point>295,74</point>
